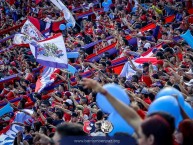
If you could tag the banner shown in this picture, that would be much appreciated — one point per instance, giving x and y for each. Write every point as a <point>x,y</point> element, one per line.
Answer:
<point>30,30</point>
<point>9,133</point>
<point>50,52</point>
<point>67,14</point>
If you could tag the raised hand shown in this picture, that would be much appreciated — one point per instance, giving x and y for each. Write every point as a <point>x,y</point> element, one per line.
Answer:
<point>92,84</point>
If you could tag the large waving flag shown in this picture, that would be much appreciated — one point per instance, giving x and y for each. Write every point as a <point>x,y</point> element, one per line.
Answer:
<point>30,30</point>
<point>50,52</point>
<point>67,14</point>
<point>47,78</point>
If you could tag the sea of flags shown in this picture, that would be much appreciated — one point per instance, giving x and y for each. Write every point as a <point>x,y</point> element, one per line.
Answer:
<point>49,52</point>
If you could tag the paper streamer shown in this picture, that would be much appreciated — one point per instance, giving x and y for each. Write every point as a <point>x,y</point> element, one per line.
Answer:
<point>188,38</point>
<point>72,55</point>
<point>6,109</point>
<point>71,69</point>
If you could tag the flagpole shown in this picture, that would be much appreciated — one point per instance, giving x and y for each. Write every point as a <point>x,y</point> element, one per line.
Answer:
<point>68,81</point>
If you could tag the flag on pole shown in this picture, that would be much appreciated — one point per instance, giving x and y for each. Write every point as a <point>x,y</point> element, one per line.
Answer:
<point>30,30</point>
<point>67,14</point>
<point>50,52</point>
<point>47,78</point>
<point>22,40</point>
<point>29,33</point>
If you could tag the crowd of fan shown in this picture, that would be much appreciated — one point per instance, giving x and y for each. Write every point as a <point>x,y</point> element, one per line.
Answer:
<point>76,104</point>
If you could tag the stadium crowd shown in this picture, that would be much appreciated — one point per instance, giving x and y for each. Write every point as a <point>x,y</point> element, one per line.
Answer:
<point>63,110</point>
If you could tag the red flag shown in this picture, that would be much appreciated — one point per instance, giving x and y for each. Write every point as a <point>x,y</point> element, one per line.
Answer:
<point>169,19</point>
<point>38,1</point>
<point>11,2</point>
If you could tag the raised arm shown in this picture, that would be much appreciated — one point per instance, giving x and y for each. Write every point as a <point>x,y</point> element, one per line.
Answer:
<point>134,67</point>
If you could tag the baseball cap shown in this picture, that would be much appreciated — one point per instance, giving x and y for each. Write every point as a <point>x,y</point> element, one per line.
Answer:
<point>147,45</point>
<point>190,83</point>
<point>69,101</point>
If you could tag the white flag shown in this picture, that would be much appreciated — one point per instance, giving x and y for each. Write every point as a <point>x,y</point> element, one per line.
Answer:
<point>21,39</point>
<point>50,52</point>
<point>67,14</point>
<point>30,30</point>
